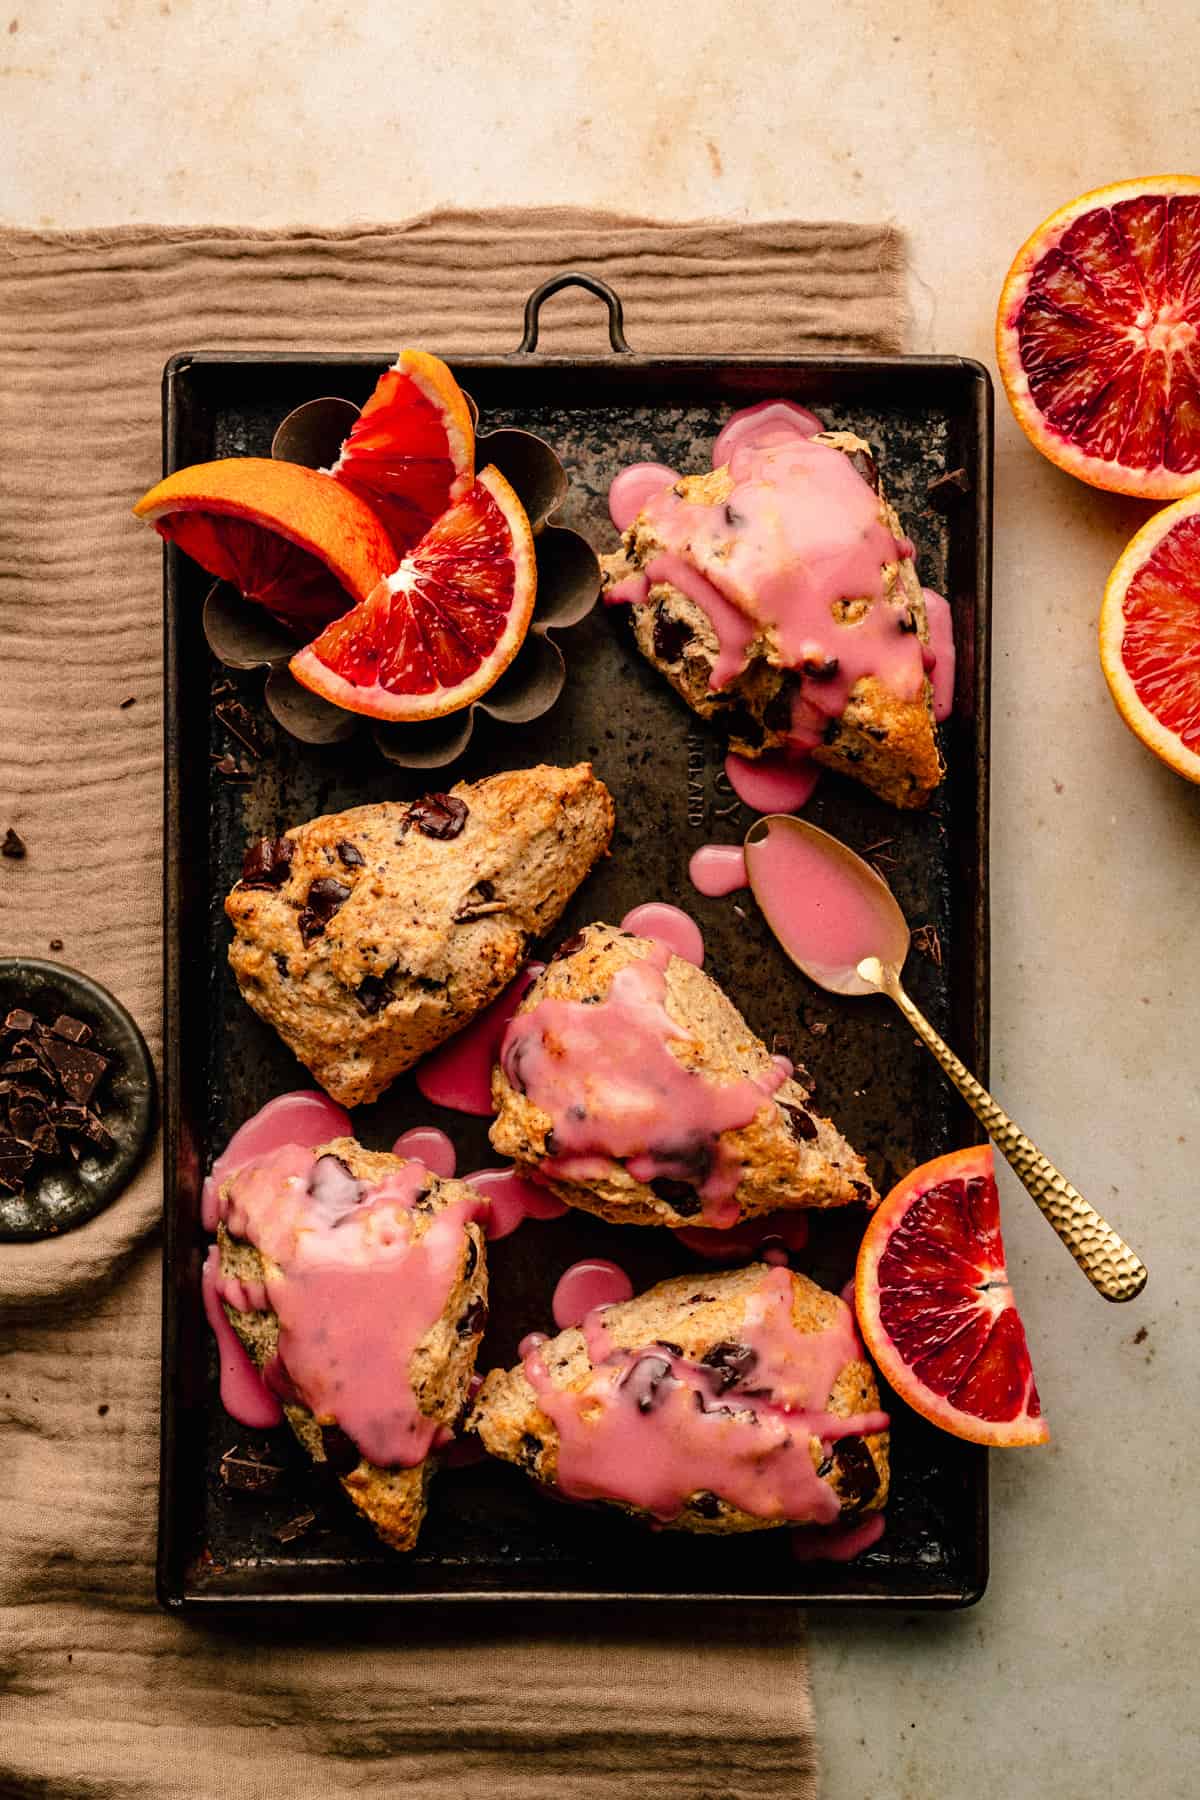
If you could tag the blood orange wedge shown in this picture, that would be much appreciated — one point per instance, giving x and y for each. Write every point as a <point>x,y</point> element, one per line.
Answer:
<point>443,628</point>
<point>935,1308</point>
<point>411,453</point>
<point>1098,337</point>
<point>1150,635</point>
<point>288,537</point>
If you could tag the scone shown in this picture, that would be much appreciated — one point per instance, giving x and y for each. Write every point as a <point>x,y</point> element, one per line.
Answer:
<point>777,594</point>
<point>630,1085</point>
<point>368,937</point>
<point>358,1284</point>
<point>712,1402</point>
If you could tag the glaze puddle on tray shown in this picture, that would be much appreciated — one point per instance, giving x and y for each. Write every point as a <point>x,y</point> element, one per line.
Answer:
<point>458,1075</point>
<point>426,1144</point>
<point>512,1199</point>
<point>586,1285</point>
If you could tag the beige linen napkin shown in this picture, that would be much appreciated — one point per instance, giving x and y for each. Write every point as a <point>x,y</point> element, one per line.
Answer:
<point>101,1697</point>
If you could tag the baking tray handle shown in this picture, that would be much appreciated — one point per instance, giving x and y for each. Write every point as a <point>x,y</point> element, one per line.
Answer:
<point>573,278</point>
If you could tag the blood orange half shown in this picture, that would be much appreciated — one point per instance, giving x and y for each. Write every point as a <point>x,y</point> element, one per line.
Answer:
<point>443,628</point>
<point>1098,337</point>
<point>935,1307</point>
<point>411,453</point>
<point>285,536</point>
<point>1150,635</point>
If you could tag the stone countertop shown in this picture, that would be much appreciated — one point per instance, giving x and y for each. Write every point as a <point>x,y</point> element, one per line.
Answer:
<point>967,124</point>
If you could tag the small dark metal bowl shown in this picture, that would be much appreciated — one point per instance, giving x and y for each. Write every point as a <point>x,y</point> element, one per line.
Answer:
<point>67,1194</point>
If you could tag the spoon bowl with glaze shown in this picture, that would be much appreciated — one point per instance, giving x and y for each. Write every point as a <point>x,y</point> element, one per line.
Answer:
<point>840,923</point>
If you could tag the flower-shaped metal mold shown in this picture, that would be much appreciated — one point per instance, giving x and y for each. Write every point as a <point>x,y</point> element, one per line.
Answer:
<point>243,636</point>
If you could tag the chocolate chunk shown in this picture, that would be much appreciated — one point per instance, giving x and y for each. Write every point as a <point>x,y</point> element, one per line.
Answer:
<point>864,464</point>
<point>821,668</point>
<point>325,897</point>
<point>730,1363</point>
<point>801,1126</point>
<point>671,1349</point>
<point>861,1192</point>
<point>248,1473</point>
<point>24,1118</point>
<point>529,1449</point>
<point>371,993</point>
<point>295,1528</point>
<point>237,720</point>
<point>19,1020</point>
<point>743,725</point>
<point>73,1030</point>
<point>644,1380</point>
<point>45,1141</point>
<point>25,1068</point>
<point>56,943</point>
<point>908,621</point>
<point>281,963</point>
<point>80,1121</point>
<point>13,845</point>
<point>16,1160</point>
<point>678,1195</point>
<point>706,1505</point>
<point>266,863</point>
<point>672,635</point>
<point>569,946</point>
<point>857,1476</point>
<point>350,854</point>
<point>471,1259</point>
<point>127,703</point>
<point>341,1452</point>
<point>946,493</point>
<point>480,901</point>
<point>79,1070</point>
<point>437,816</point>
<point>230,769</point>
<point>473,1320</point>
<point>733,516</point>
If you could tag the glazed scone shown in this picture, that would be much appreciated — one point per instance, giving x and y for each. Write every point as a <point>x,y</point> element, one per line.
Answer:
<point>368,937</point>
<point>404,1260</point>
<point>713,1403</point>
<point>634,1089</point>
<point>885,738</point>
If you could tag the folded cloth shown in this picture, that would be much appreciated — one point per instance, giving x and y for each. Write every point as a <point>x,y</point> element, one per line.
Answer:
<point>101,1697</point>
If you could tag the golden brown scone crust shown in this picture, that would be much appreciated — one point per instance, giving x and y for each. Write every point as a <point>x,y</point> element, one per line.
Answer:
<point>888,744</point>
<point>392,1499</point>
<point>416,920</point>
<point>695,1313</point>
<point>780,1169</point>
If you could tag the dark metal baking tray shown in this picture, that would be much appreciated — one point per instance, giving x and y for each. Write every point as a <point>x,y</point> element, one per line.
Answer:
<point>490,1535</point>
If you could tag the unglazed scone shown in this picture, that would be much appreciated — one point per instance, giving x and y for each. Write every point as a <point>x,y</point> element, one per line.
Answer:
<point>877,724</point>
<point>368,937</point>
<point>713,1403</point>
<point>633,1088</point>
<point>358,1284</point>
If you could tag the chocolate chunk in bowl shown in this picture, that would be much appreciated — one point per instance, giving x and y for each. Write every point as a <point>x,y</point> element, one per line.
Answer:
<point>77,1110</point>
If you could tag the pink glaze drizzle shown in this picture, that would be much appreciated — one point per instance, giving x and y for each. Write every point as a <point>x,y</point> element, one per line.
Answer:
<point>512,1199</point>
<point>427,1145</point>
<point>754,427</point>
<point>615,1093</point>
<point>821,915</point>
<point>780,1230</point>
<point>651,1428</point>
<point>632,591</point>
<point>799,532</point>
<point>458,1074</point>
<point>244,1394</point>
<point>718,869</point>
<point>941,647</point>
<point>633,487</point>
<point>355,1292</point>
<point>304,1117</point>
<point>585,1286</point>
<point>779,781</point>
<point>667,925</point>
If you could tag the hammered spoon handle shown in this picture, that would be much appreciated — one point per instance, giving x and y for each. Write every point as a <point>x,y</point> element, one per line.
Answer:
<point>1105,1258</point>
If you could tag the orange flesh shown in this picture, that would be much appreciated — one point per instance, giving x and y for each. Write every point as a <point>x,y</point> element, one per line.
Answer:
<point>1160,647</point>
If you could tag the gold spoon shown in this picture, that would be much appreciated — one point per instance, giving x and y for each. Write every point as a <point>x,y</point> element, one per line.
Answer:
<point>866,942</point>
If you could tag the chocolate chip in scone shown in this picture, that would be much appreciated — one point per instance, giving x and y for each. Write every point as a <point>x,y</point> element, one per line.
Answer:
<point>864,464</point>
<point>529,1449</point>
<point>473,1320</point>
<point>861,1192</point>
<point>569,945</point>
<point>325,897</point>
<point>644,1380</point>
<point>857,1476</point>
<point>908,621</point>
<point>479,902</point>
<point>730,1364</point>
<point>13,845</point>
<point>802,1127</point>
<point>350,854</point>
<point>266,862</point>
<point>821,668</point>
<point>679,1196</point>
<point>371,993</point>
<point>439,816</point>
<point>341,1452</point>
<point>672,635</point>
<point>706,1505</point>
<point>470,1260</point>
<point>281,963</point>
